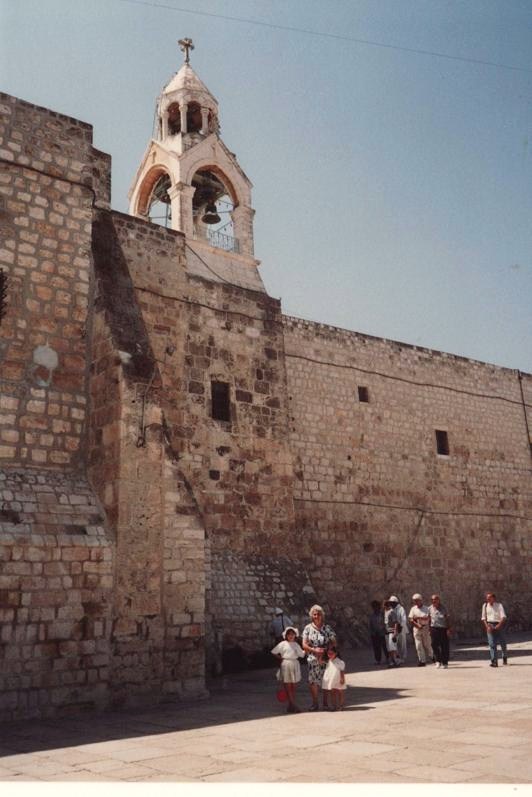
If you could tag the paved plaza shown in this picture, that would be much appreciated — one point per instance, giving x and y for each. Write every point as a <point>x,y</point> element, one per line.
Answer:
<point>468,724</point>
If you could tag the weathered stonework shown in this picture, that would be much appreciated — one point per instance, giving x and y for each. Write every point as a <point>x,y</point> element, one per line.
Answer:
<point>143,540</point>
<point>56,579</point>
<point>382,511</point>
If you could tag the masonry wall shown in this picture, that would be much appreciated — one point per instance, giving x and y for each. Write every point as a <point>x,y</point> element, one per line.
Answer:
<point>158,640</point>
<point>47,188</point>
<point>56,571</point>
<point>238,473</point>
<point>143,542</point>
<point>378,509</point>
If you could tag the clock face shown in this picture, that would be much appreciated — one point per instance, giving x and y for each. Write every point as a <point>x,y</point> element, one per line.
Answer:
<point>159,207</point>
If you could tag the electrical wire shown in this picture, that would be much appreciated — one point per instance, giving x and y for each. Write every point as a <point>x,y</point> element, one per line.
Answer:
<point>218,276</point>
<point>336,36</point>
<point>404,379</point>
<point>425,510</point>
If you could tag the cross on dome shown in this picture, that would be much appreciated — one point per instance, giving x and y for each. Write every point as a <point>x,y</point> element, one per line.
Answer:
<point>186,45</point>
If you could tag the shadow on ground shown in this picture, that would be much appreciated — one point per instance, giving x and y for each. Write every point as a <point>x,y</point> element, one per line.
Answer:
<point>234,698</point>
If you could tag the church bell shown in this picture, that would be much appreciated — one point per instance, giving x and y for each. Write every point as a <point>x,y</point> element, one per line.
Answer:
<point>211,214</point>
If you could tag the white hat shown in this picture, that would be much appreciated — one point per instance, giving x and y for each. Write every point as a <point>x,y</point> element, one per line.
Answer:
<point>393,599</point>
<point>277,610</point>
<point>290,628</point>
<point>417,597</point>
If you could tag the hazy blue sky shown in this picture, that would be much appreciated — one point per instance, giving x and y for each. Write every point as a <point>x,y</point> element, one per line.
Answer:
<point>393,189</point>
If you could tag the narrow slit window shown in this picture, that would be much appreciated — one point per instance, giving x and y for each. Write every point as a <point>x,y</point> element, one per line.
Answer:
<point>220,400</point>
<point>442,442</point>
<point>363,394</point>
<point>3,294</point>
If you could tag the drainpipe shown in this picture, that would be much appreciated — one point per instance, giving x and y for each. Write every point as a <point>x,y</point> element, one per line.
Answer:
<point>520,377</point>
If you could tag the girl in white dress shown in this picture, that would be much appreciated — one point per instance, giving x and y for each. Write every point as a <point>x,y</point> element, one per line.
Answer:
<point>334,679</point>
<point>288,652</point>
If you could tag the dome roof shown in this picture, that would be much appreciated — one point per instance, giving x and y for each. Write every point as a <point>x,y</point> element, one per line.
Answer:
<point>187,82</point>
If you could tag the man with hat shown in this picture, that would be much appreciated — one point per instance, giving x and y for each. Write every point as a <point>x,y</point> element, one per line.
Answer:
<point>419,617</point>
<point>279,623</point>
<point>403,622</point>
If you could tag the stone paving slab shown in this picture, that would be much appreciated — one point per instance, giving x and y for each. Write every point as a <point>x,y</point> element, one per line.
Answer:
<point>468,724</point>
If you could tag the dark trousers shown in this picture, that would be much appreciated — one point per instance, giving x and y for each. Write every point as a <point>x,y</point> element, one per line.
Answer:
<point>440,644</point>
<point>379,647</point>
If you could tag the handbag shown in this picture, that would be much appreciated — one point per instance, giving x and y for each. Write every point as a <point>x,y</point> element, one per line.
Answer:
<point>281,695</point>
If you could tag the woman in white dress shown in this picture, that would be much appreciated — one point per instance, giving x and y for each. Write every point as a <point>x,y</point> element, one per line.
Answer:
<point>288,652</point>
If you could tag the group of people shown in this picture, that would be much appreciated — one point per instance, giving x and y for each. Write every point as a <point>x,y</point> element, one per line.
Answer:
<point>388,628</point>
<point>430,625</point>
<point>325,666</point>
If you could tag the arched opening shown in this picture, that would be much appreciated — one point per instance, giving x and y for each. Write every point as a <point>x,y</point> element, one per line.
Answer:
<point>174,119</point>
<point>159,209</point>
<point>193,118</point>
<point>212,207</point>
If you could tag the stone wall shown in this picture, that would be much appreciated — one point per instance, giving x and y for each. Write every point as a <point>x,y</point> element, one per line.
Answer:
<point>143,539</point>
<point>158,640</point>
<point>56,576</point>
<point>55,594</point>
<point>378,509</point>
<point>51,177</point>
<point>176,333</point>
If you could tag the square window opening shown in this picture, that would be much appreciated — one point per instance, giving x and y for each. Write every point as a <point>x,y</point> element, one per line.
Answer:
<point>442,442</point>
<point>220,401</point>
<point>363,394</point>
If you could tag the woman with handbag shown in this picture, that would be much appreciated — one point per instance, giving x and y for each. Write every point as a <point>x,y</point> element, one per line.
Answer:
<point>316,638</point>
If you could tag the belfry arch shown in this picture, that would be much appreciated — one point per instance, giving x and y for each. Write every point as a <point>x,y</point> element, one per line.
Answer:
<point>153,202</point>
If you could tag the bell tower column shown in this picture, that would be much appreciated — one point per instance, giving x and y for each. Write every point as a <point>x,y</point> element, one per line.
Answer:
<point>183,111</point>
<point>164,126</point>
<point>181,203</point>
<point>243,225</point>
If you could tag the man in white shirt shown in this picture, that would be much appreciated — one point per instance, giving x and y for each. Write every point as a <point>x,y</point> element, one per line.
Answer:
<point>419,617</point>
<point>403,622</point>
<point>493,618</point>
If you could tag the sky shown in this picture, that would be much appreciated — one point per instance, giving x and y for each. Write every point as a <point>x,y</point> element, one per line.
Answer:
<point>388,143</point>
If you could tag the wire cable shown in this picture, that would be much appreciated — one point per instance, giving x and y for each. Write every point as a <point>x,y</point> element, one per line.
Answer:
<point>425,510</point>
<point>403,379</point>
<point>336,36</point>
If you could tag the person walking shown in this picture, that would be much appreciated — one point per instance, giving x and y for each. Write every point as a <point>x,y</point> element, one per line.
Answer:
<point>419,617</point>
<point>403,622</point>
<point>391,625</point>
<point>493,618</point>
<point>440,631</point>
<point>377,632</point>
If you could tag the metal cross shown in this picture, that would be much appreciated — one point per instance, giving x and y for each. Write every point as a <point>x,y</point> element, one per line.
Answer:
<point>186,45</point>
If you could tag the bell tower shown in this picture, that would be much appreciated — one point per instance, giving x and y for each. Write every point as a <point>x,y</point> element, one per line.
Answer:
<point>189,181</point>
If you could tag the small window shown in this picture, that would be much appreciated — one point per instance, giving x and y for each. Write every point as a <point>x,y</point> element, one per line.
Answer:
<point>3,294</point>
<point>221,408</point>
<point>363,394</point>
<point>442,442</point>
